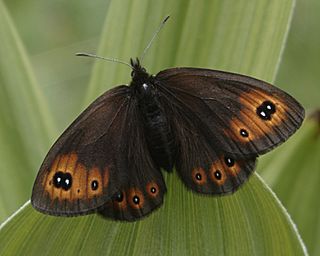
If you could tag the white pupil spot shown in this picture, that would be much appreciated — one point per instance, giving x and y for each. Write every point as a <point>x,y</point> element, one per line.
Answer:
<point>263,113</point>
<point>67,181</point>
<point>145,86</point>
<point>58,179</point>
<point>269,107</point>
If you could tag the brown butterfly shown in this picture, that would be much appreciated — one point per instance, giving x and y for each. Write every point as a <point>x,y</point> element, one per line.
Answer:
<point>210,125</point>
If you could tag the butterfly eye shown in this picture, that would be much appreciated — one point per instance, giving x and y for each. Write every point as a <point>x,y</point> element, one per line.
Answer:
<point>266,109</point>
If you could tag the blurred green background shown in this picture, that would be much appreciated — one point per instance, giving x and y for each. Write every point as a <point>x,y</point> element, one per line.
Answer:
<point>52,31</point>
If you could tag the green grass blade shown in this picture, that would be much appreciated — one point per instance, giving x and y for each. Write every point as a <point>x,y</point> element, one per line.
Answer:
<point>25,126</point>
<point>240,36</point>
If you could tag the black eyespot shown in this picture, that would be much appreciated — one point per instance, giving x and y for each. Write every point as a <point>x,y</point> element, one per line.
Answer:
<point>229,161</point>
<point>136,200</point>
<point>119,197</point>
<point>153,190</point>
<point>58,179</point>
<point>62,180</point>
<point>94,185</point>
<point>198,176</point>
<point>66,181</point>
<point>266,109</point>
<point>217,175</point>
<point>244,133</point>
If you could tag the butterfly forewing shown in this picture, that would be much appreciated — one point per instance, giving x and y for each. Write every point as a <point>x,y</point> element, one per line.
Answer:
<point>247,116</point>
<point>79,173</point>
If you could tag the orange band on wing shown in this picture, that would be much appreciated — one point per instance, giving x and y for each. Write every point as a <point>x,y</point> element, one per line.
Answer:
<point>85,184</point>
<point>248,126</point>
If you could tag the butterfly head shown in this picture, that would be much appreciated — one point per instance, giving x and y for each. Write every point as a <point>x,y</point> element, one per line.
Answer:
<point>141,80</point>
<point>138,73</point>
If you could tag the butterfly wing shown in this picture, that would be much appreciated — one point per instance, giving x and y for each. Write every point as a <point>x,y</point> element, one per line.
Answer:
<point>200,162</point>
<point>91,161</point>
<point>222,122</point>
<point>246,115</point>
<point>209,170</point>
<point>145,189</point>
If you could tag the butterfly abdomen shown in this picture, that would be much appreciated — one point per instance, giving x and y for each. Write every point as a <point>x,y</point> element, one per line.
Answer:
<point>159,135</point>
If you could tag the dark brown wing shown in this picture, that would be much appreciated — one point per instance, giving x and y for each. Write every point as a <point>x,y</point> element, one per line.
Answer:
<point>222,122</point>
<point>200,162</point>
<point>92,160</point>
<point>247,116</point>
<point>143,192</point>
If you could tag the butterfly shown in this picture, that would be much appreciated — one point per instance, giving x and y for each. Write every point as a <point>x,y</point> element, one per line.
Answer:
<point>208,125</point>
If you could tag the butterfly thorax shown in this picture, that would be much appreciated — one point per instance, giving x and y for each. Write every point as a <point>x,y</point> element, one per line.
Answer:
<point>159,135</point>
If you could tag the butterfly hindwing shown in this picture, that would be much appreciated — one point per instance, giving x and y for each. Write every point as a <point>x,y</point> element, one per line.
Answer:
<point>204,167</point>
<point>142,194</point>
<point>144,190</point>
<point>137,199</point>
<point>247,116</point>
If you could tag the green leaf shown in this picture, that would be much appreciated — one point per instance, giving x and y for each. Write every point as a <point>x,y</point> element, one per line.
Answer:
<point>293,172</point>
<point>25,126</point>
<point>239,36</point>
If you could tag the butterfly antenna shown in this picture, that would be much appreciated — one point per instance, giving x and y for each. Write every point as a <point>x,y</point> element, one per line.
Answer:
<point>84,54</point>
<point>153,37</point>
